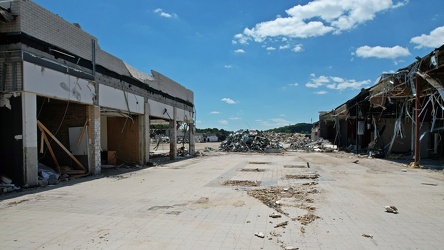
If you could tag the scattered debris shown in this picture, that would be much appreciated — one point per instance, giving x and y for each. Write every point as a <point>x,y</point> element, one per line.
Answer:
<point>429,184</point>
<point>282,224</point>
<point>291,248</point>
<point>391,209</point>
<point>368,236</point>
<point>303,176</point>
<point>404,170</point>
<point>310,183</point>
<point>253,170</point>
<point>302,229</point>
<point>356,162</point>
<point>260,234</point>
<point>294,166</point>
<point>275,215</point>
<point>306,219</point>
<point>241,183</point>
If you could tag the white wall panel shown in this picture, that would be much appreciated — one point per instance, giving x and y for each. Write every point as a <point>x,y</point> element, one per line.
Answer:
<point>118,99</point>
<point>157,109</point>
<point>57,85</point>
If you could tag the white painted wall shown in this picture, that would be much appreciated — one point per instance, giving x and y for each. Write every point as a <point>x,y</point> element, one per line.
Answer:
<point>57,85</point>
<point>117,99</point>
<point>157,109</point>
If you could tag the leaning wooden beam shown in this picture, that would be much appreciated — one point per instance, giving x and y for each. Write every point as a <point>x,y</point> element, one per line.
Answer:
<point>82,133</point>
<point>41,126</point>
<point>48,145</point>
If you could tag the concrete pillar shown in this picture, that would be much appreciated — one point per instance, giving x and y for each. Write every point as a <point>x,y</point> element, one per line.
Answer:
<point>146,137</point>
<point>29,137</point>
<point>173,135</point>
<point>192,150</point>
<point>94,139</point>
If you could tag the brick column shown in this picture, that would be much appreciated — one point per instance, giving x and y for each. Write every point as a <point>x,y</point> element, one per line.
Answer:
<point>146,137</point>
<point>95,163</point>
<point>173,135</point>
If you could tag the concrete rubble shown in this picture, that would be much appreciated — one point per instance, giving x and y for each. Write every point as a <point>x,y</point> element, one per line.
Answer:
<point>259,141</point>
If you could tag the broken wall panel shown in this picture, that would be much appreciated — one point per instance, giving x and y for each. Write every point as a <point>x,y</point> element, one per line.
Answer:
<point>123,137</point>
<point>121,100</point>
<point>54,84</point>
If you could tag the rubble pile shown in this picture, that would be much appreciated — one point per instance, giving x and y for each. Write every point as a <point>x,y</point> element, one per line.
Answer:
<point>319,145</point>
<point>258,141</point>
<point>248,140</point>
<point>6,185</point>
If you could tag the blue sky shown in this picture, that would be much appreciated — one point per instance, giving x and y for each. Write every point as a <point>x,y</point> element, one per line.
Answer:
<point>265,63</point>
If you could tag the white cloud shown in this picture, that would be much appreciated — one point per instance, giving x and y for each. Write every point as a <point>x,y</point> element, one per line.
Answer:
<point>297,48</point>
<point>161,13</point>
<point>228,100</point>
<point>334,82</point>
<point>293,84</point>
<point>317,82</point>
<point>235,118</point>
<point>322,92</point>
<point>287,46</point>
<point>223,122</point>
<point>228,66</point>
<point>239,51</point>
<point>434,40</point>
<point>381,52</point>
<point>274,122</point>
<point>214,112</point>
<point>271,48</point>
<point>317,18</point>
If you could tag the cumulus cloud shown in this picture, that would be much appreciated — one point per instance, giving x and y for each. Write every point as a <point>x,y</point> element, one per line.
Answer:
<point>286,46</point>
<point>223,122</point>
<point>214,112</point>
<point>297,48</point>
<point>161,13</point>
<point>322,92</point>
<point>228,100</point>
<point>271,48</point>
<point>433,40</point>
<point>381,52</point>
<point>316,82</point>
<point>293,84</point>
<point>334,82</point>
<point>274,122</point>
<point>240,51</point>
<point>228,66</point>
<point>318,18</point>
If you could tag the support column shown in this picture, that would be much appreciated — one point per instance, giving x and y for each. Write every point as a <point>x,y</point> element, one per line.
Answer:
<point>192,150</point>
<point>417,122</point>
<point>29,136</point>
<point>146,140</point>
<point>173,135</point>
<point>95,163</point>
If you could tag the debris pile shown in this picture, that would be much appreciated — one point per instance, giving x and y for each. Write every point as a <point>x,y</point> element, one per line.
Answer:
<point>320,145</point>
<point>258,141</point>
<point>7,185</point>
<point>249,140</point>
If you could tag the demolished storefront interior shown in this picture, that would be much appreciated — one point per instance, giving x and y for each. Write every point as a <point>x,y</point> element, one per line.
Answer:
<point>402,113</point>
<point>70,106</point>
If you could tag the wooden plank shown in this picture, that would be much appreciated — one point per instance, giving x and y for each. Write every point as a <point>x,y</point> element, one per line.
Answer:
<point>42,134</point>
<point>48,145</point>
<point>41,126</point>
<point>82,133</point>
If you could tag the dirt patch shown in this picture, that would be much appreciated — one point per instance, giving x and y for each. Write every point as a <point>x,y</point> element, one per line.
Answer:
<point>241,183</point>
<point>297,195</point>
<point>295,166</point>
<point>302,176</point>
<point>259,162</point>
<point>253,170</point>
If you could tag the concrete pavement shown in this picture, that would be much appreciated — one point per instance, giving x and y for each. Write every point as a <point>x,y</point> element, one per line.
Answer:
<point>184,205</point>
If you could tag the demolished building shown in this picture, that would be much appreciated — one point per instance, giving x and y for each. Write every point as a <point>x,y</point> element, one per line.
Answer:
<point>402,113</point>
<point>68,104</point>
